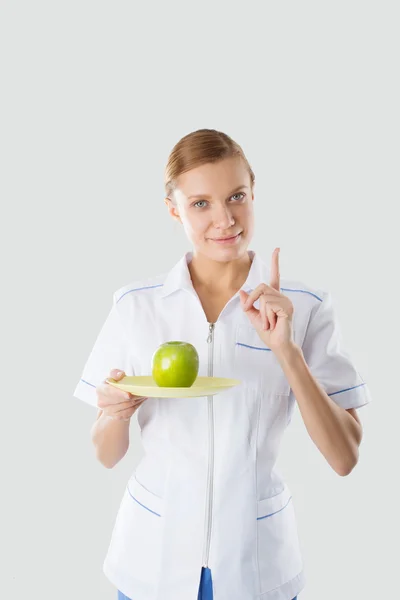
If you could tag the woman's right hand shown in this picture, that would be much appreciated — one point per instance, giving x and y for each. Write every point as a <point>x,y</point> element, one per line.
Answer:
<point>116,403</point>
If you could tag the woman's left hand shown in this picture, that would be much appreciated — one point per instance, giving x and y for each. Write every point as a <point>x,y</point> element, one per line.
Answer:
<point>273,321</point>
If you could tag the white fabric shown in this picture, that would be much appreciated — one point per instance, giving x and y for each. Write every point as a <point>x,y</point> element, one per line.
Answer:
<point>159,542</point>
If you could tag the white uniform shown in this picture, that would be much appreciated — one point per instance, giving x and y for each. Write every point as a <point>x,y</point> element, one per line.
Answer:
<point>207,491</point>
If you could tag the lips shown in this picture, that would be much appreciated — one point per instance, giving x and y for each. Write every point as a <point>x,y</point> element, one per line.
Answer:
<point>227,240</point>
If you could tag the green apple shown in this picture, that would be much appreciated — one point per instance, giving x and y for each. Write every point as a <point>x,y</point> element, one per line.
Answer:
<point>175,364</point>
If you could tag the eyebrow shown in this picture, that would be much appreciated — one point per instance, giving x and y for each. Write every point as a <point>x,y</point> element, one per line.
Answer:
<point>240,187</point>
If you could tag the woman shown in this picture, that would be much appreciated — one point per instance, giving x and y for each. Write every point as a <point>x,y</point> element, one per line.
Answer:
<point>206,514</point>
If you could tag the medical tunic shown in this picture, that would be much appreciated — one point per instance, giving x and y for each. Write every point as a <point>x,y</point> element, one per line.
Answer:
<point>207,492</point>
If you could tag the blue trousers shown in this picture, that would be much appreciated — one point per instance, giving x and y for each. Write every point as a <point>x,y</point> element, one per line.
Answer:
<point>205,589</point>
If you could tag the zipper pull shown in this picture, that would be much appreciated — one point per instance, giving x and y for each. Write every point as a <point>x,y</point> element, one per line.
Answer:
<point>210,332</point>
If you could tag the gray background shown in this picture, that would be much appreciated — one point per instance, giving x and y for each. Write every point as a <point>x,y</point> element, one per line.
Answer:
<point>93,97</point>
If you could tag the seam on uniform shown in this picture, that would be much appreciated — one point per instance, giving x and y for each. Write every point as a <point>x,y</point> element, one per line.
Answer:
<point>253,347</point>
<point>286,583</point>
<point>152,511</point>
<point>274,513</point>
<point>303,291</point>
<point>125,337</point>
<point>256,506</point>
<point>148,287</point>
<point>347,389</point>
<point>91,384</point>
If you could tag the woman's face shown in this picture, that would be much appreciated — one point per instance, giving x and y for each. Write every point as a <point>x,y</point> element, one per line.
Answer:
<point>212,202</point>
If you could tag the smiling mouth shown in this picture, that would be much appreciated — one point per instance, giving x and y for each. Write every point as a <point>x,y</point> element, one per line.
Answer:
<point>227,239</point>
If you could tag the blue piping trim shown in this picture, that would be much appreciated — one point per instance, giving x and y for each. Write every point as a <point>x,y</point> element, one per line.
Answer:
<point>148,287</point>
<point>304,292</point>
<point>347,389</point>
<point>91,384</point>
<point>253,347</point>
<point>274,513</point>
<point>152,511</point>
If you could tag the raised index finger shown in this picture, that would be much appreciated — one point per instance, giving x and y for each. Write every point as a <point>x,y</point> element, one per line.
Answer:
<point>275,276</point>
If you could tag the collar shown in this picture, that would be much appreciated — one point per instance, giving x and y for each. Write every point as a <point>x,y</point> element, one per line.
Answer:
<point>178,277</point>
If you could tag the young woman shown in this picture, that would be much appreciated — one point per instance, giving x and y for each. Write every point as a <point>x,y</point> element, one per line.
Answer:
<point>206,514</point>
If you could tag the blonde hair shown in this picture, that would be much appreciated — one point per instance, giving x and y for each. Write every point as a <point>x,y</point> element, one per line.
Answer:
<point>196,149</point>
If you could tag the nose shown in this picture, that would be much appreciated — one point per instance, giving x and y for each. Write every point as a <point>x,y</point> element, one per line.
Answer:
<point>222,217</point>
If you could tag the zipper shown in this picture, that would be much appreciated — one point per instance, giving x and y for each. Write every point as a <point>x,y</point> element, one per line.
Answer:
<point>210,482</point>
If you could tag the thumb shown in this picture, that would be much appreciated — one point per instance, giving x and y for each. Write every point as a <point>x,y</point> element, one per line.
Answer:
<point>251,312</point>
<point>243,296</point>
<point>117,374</point>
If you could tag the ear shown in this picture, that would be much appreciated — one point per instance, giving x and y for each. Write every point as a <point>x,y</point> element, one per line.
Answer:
<point>172,209</point>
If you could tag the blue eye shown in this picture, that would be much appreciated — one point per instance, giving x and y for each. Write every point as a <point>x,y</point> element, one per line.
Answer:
<point>237,194</point>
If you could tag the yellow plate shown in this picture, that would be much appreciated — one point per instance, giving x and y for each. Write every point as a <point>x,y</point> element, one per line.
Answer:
<point>141,385</point>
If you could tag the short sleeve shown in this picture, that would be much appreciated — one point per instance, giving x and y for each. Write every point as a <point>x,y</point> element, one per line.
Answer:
<point>110,351</point>
<point>329,362</point>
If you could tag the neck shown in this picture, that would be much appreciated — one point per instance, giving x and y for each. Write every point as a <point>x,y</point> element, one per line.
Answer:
<point>217,277</point>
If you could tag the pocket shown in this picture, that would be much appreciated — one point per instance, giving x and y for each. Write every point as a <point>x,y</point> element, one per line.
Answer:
<point>256,364</point>
<point>135,547</point>
<point>278,548</point>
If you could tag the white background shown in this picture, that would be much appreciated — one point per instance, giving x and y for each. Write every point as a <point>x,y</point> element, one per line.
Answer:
<point>93,97</point>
